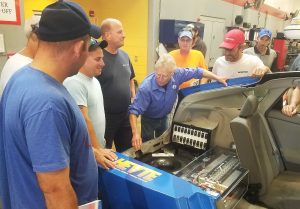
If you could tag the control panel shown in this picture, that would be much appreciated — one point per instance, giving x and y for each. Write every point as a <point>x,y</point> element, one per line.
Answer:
<point>191,136</point>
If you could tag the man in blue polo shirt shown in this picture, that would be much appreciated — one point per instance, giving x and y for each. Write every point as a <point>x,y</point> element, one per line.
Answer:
<point>46,158</point>
<point>157,95</point>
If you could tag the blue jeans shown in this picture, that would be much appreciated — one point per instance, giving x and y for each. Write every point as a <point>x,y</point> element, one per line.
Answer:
<point>153,127</point>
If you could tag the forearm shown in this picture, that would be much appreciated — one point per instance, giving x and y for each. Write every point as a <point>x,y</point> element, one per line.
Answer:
<point>61,198</point>
<point>209,75</point>
<point>295,101</point>
<point>57,189</point>
<point>92,134</point>
<point>133,123</point>
<point>132,88</point>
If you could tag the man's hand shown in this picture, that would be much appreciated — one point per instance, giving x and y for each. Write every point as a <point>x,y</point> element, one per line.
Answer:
<point>136,141</point>
<point>259,72</point>
<point>289,110</point>
<point>105,157</point>
<point>222,80</point>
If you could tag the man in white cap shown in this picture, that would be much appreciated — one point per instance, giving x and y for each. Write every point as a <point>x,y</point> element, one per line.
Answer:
<point>262,50</point>
<point>23,57</point>
<point>235,63</point>
<point>185,57</point>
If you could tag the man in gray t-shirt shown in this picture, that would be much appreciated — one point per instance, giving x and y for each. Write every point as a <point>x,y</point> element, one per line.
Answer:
<point>86,91</point>
<point>262,50</point>
<point>117,86</point>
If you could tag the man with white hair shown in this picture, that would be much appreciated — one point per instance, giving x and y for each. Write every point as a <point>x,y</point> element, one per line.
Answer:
<point>23,57</point>
<point>156,96</point>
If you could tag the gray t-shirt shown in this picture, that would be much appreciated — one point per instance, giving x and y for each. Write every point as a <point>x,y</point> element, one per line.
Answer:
<point>115,82</point>
<point>296,64</point>
<point>87,92</point>
<point>267,58</point>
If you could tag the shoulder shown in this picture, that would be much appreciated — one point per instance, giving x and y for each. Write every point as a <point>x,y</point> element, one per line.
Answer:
<point>73,81</point>
<point>75,84</point>
<point>220,60</point>
<point>147,83</point>
<point>249,50</point>
<point>122,53</point>
<point>174,52</point>
<point>252,59</point>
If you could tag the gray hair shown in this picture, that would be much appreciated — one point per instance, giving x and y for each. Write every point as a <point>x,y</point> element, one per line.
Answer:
<point>166,62</point>
<point>31,24</point>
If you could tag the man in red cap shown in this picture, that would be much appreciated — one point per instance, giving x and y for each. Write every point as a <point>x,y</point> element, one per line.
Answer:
<point>234,63</point>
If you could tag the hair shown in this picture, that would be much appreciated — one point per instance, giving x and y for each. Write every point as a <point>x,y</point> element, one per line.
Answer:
<point>166,62</point>
<point>61,47</point>
<point>31,25</point>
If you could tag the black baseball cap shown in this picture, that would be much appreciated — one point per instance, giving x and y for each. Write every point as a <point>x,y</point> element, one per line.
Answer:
<point>63,21</point>
<point>94,43</point>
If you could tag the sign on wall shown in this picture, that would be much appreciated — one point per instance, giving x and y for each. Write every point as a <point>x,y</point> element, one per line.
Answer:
<point>10,12</point>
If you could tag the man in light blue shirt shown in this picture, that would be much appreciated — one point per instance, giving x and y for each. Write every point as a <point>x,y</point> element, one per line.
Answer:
<point>157,95</point>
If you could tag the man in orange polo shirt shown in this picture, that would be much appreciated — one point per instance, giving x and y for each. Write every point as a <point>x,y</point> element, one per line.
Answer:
<point>185,56</point>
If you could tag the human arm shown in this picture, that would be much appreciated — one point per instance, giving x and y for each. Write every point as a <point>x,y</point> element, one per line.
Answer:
<point>212,76</point>
<point>291,109</point>
<point>132,89</point>
<point>136,136</point>
<point>57,189</point>
<point>260,71</point>
<point>105,157</point>
<point>132,84</point>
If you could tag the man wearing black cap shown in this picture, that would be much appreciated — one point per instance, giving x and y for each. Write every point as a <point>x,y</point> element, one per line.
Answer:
<point>46,158</point>
<point>86,91</point>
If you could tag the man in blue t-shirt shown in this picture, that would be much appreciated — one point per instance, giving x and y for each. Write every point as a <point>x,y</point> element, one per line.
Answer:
<point>46,159</point>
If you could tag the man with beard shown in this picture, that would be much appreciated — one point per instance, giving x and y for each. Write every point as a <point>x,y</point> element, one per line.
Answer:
<point>235,63</point>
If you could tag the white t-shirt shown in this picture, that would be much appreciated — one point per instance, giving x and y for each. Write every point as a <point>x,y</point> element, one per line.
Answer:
<point>87,92</point>
<point>243,67</point>
<point>14,63</point>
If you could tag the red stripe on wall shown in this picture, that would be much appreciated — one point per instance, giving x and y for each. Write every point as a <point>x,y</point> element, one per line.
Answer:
<point>264,8</point>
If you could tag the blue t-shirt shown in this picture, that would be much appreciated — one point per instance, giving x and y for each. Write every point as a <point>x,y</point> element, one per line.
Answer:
<point>42,130</point>
<point>154,101</point>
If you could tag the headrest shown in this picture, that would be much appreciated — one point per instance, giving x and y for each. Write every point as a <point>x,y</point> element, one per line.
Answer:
<point>249,107</point>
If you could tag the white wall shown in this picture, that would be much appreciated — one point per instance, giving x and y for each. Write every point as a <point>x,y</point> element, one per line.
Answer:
<point>284,5</point>
<point>191,9</point>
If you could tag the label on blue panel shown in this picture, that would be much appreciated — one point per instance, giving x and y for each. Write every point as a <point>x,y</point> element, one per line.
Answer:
<point>135,170</point>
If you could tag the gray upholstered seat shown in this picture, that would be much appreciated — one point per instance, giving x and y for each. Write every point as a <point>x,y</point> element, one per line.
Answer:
<point>278,189</point>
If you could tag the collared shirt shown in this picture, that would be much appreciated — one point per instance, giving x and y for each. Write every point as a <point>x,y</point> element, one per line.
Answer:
<point>268,58</point>
<point>155,101</point>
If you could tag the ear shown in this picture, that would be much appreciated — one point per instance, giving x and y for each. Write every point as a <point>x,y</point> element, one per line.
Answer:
<point>79,47</point>
<point>242,46</point>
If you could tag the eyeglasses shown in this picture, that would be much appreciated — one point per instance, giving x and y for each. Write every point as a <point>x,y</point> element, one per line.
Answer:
<point>93,42</point>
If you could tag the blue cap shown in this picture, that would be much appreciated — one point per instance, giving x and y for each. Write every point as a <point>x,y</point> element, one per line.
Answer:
<point>265,32</point>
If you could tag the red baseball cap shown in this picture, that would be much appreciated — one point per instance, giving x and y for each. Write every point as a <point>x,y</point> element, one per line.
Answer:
<point>233,38</point>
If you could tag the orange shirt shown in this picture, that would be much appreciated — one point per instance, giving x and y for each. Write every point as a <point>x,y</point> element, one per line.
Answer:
<point>193,59</point>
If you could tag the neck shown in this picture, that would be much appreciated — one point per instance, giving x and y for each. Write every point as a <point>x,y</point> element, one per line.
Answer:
<point>111,49</point>
<point>51,64</point>
<point>85,72</point>
<point>184,52</point>
<point>27,52</point>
